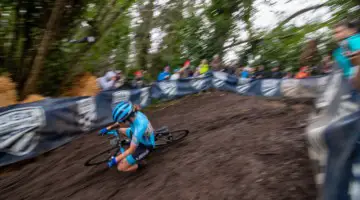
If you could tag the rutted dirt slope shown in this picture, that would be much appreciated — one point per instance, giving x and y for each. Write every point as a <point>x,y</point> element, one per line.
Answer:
<point>239,148</point>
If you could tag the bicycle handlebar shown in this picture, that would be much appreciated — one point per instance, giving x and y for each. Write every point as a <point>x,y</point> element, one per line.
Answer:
<point>114,133</point>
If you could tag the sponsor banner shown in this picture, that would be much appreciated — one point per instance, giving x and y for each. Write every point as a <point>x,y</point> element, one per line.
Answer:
<point>168,90</point>
<point>18,129</point>
<point>308,88</point>
<point>271,87</point>
<point>290,88</point>
<point>28,130</point>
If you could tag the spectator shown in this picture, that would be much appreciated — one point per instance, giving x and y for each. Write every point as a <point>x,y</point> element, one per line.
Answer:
<point>138,81</point>
<point>315,70</point>
<point>190,72</point>
<point>238,71</point>
<point>230,70</point>
<point>260,73</point>
<point>216,63</point>
<point>111,80</point>
<point>120,79</point>
<point>179,73</point>
<point>326,65</point>
<point>288,75</point>
<point>197,72</point>
<point>176,75</point>
<point>245,73</point>
<point>275,73</point>
<point>311,56</point>
<point>187,71</point>
<point>348,54</point>
<point>204,67</point>
<point>355,59</point>
<point>165,75</point>
<point>349,39</point>
<point>303,73</point>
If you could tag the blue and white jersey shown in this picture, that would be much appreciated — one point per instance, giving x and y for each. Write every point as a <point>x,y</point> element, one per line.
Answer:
<point>141,131</point>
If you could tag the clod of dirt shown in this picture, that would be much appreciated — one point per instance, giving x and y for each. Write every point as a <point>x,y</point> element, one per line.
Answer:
<point>8,94</point>
<point>85,85</point>
<point>32,98</point>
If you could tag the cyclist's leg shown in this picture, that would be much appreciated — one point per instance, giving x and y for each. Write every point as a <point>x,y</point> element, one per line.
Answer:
<point>131,161</point>
<point>124,166</point>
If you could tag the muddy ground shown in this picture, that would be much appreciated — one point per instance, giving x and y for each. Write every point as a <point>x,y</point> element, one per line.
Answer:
<point>239,148</point>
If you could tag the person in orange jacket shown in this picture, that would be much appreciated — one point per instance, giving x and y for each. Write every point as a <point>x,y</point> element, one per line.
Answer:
<point>303,73</point>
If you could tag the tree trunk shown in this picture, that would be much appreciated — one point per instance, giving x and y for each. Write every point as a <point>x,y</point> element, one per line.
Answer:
<point>49,35</point>
<point>12,52</point>
<point>143,37</point>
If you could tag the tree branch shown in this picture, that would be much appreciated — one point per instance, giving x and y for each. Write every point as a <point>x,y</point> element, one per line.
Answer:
<point>102,31</point>
<point>300,12</point>
<point>281,24</point>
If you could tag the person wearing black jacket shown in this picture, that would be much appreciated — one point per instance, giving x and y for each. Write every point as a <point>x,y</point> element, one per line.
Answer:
<point>260,73</point>
<point>275,73</point>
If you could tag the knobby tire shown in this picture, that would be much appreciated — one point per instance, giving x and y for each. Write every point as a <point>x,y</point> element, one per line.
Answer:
<point>104,157</point>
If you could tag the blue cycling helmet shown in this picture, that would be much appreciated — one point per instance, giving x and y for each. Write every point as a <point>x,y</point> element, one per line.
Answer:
<point>122,111</point>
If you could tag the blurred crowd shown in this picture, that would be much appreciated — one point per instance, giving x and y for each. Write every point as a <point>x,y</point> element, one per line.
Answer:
<point>259,72</point>
<point>116,79</point>
<point>346,56</point>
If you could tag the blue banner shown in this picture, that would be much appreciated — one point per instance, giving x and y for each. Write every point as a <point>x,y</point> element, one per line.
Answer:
<point>28,130</point>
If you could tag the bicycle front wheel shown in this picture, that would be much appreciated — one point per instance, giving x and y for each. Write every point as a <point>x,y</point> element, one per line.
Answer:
<point>102,157</point>
<point>166,139</point>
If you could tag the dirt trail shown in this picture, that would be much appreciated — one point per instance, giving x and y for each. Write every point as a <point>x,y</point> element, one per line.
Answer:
<point>239,148</point>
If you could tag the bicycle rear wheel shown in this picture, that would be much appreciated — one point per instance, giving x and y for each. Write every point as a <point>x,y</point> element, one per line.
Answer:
<point>170,138</point>
<point>102,157</point>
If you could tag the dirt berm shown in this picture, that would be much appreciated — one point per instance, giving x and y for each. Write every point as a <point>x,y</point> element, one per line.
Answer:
<point>239,148</point>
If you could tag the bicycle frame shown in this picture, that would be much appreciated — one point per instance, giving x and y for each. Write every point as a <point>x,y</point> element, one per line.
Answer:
<point>116,141</point>
<point>164,131</point>
<point>163,138</point>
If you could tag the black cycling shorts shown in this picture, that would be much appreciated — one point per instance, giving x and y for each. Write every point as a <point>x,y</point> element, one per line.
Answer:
<point>140,153</point>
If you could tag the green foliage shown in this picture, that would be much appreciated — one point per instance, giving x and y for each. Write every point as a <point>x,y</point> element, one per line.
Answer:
<point>284,46</point>
<point>191,31</point>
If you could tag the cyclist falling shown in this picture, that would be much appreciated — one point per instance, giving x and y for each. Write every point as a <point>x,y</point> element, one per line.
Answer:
<point>140,132</point>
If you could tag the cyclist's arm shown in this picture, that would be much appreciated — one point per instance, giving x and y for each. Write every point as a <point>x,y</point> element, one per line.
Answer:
<point>134,143</point>
<point>125,131</point>
<point>115,125</point>
<point>128,151</point>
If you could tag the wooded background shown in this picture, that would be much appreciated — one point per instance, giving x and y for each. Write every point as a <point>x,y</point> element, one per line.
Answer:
<point>35,35</point>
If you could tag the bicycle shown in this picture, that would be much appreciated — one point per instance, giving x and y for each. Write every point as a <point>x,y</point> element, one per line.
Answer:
<point>163,138</point>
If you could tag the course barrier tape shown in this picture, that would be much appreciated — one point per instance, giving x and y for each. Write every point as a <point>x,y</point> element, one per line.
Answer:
<point>28,130</point>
